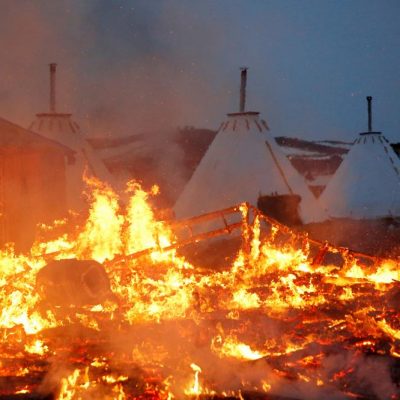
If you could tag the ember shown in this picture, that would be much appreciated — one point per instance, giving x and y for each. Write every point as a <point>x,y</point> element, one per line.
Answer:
<point>286,315</point>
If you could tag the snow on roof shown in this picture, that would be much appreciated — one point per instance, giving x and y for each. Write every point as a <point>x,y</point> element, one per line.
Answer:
<point>242,163</point>
<point>301,153</point>
<point>335,143</point>
<point>367,183</point>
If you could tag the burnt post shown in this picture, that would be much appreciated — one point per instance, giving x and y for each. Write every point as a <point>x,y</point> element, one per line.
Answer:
<point>369,101</point>
<point>53,67</point>
<point>243,82</point>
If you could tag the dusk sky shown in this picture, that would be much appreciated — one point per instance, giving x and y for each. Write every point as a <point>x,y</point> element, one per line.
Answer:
<point>127,67</point>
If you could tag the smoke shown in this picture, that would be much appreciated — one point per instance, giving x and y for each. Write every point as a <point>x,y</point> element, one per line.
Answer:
<point>177,61</point>
<point>370,374</point>
<point>144,351</point>
<point>123,67</point>
<point>358,235</point>
<point>32,34</point>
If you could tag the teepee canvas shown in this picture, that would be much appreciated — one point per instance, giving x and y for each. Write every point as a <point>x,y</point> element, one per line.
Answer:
<point>242,164</point>
<point>60,128</point>
<point>367,183</point>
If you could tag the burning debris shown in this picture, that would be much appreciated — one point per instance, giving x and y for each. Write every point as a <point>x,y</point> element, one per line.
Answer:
<point>283,317</point>
<point>73,282</point>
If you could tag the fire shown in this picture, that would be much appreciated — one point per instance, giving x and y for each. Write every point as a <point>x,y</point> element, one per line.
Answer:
<point>37,347</point>
<point>114,379</point>
<point>144,231</point>
<point>244,300</point>
<point>68,386</point>
<point>231,347</point>
<point>266,387</point>
<point>195,389</point>
<point>271,313</point>
<point>79,385</point>
<point>101,237</point>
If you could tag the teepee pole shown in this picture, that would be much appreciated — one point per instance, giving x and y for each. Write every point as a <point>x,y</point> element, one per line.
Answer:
<point>369,101</point>
<point>243,82</point>
<point>53,67</point>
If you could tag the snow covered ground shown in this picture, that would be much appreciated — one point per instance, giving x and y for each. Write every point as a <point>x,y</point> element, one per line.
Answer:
<point>169,158</point>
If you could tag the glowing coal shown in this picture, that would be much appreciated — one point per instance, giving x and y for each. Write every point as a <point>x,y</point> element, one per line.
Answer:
<point>277,317</point>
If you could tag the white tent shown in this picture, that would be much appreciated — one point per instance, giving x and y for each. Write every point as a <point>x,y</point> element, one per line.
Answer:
<point>241,164</point>
<point>60,128</point>
<point>367,183</point>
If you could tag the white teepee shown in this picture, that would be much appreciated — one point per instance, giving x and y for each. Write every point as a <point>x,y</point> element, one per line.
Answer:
<point>62,129</point>
<point>241,164</point>
<point>367,183</point>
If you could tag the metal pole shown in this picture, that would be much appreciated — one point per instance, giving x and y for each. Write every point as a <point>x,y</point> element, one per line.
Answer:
<point>53,67</point>
<point>369,100</point>
<point>243,82</point>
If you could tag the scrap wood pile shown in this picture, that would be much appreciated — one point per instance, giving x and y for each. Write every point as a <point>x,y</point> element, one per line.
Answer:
<point>287,317</point>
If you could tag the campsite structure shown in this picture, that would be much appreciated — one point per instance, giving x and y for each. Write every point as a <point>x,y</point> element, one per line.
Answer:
<point>367,183</point>
<point>244,163</point>
<point>32,182</point>
<point>61,128</point>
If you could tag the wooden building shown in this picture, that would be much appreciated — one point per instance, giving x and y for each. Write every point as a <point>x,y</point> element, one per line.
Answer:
<point>32,182</point>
